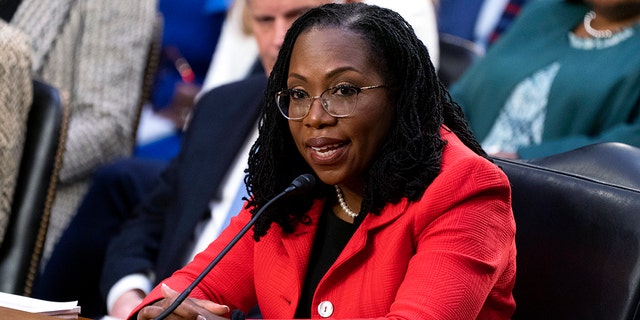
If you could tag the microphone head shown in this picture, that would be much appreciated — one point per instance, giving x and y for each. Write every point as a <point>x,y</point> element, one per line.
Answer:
<point>303,183</point>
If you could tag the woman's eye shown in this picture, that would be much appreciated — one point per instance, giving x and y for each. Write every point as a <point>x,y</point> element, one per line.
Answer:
<point>297,94</point>
<point>345,90</point>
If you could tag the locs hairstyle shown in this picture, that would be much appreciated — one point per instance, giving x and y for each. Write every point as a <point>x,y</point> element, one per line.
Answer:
<point>410,157</point>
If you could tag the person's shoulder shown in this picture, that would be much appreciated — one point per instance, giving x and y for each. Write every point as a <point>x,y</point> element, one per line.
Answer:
<point>455,148</point>
<point>463,174</point>
<point>251,83</point>
<point>458,159</point>
<point>13,43</point>
<point>258,80</point>
<point>229,99</point>
<point>234,92</point>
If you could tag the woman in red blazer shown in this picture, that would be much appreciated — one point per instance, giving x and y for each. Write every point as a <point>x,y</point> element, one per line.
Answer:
<point>410,220</point>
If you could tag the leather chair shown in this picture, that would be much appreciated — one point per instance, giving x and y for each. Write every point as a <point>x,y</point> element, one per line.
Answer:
<point>609,162</point>
<point>578,233</point>
<point>41,160</point>
<point>456,55</point>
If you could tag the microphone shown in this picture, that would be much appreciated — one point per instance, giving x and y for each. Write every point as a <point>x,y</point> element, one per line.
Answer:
<point>303,183</point>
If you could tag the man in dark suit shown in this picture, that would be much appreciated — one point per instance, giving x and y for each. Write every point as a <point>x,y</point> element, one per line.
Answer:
<point>157,237</point>
<point>162,235</point>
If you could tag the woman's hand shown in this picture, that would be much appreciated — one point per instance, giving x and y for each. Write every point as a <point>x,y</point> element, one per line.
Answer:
<point>189,309</point>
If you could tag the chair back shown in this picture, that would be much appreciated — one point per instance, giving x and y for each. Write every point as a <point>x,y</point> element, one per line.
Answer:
<point>456,55</point>
<point>39,166</point>
<point>609,162</point>
<point>578,234</point>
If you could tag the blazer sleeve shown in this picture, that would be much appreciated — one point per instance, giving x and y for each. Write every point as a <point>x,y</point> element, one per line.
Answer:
<point>108,71</point>
<point>15,101</point>
<point>135,248</point>
<point>237,265</point>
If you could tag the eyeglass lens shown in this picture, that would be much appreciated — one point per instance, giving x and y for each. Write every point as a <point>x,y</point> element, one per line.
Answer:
<point>338,102</point>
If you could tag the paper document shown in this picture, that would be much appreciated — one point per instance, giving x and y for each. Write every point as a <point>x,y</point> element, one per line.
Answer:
<point>66,309</point>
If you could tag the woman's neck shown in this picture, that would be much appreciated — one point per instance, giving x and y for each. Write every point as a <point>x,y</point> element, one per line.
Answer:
<point>608,19</point>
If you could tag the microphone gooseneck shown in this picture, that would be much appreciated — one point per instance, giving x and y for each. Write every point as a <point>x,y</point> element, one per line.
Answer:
<point>303,183</point>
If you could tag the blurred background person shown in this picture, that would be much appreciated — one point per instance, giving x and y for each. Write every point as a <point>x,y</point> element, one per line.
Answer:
<point>421,15</point>
<point>95,53</point>
<point>16,96</point>
<point>467,28</point>
<point>233,59</point>
<point>550,87</point>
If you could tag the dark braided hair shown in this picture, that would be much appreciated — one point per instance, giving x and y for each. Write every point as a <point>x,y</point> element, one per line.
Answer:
<point>410,157</point>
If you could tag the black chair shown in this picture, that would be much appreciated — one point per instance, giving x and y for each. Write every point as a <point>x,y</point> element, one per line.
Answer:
<point>41,159</point>
<point>578,234</point>
<point>609,162</point>
<point>456,55</point>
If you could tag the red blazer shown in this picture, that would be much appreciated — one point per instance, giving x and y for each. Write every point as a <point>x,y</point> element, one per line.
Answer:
<point>450,255</point>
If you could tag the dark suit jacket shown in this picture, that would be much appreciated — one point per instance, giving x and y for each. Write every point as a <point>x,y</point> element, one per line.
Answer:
<point>157,239</point>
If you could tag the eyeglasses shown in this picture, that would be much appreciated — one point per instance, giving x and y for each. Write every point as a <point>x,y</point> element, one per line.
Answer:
<point>338,101</point>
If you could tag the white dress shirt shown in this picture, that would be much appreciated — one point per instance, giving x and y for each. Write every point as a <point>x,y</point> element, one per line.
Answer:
<point>207,230</point>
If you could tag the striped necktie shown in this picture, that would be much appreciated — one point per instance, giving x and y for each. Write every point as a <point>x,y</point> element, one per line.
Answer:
<point>508,15</point>
<point>237,204</point>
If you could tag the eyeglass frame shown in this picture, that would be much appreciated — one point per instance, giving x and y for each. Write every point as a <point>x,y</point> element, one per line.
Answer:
<point>323,102</point>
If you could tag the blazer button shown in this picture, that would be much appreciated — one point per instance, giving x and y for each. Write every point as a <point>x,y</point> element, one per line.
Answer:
<point>325,309</point>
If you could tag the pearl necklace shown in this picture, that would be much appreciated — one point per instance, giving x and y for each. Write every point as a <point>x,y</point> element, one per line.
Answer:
<point>343,204</point>
<point>593,32</point>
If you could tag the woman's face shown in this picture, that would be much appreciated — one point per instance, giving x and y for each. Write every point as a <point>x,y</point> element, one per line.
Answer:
<point>339,149</point>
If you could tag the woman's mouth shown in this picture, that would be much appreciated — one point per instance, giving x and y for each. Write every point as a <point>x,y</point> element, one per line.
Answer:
<point>327,153</point>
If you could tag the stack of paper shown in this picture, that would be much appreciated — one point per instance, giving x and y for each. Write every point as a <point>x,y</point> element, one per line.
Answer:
<point>63,310</point>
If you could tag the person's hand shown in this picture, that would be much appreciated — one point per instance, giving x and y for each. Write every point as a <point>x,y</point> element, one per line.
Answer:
<point>189,309</point>
<point>182,103</point>
<point>126,303</point>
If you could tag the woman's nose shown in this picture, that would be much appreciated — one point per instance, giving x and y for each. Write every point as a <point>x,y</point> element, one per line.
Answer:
<point>317,115</point>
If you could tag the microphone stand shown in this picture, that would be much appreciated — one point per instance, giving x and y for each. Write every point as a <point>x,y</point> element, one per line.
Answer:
<point>299,185</point>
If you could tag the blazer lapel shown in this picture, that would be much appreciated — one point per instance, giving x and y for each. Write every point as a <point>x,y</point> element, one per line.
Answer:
<point>299,244</point>
<point>298,247</point>
<point>371,223</point>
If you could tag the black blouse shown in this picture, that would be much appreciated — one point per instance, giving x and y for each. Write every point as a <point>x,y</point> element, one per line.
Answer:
<point>331,238</point>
